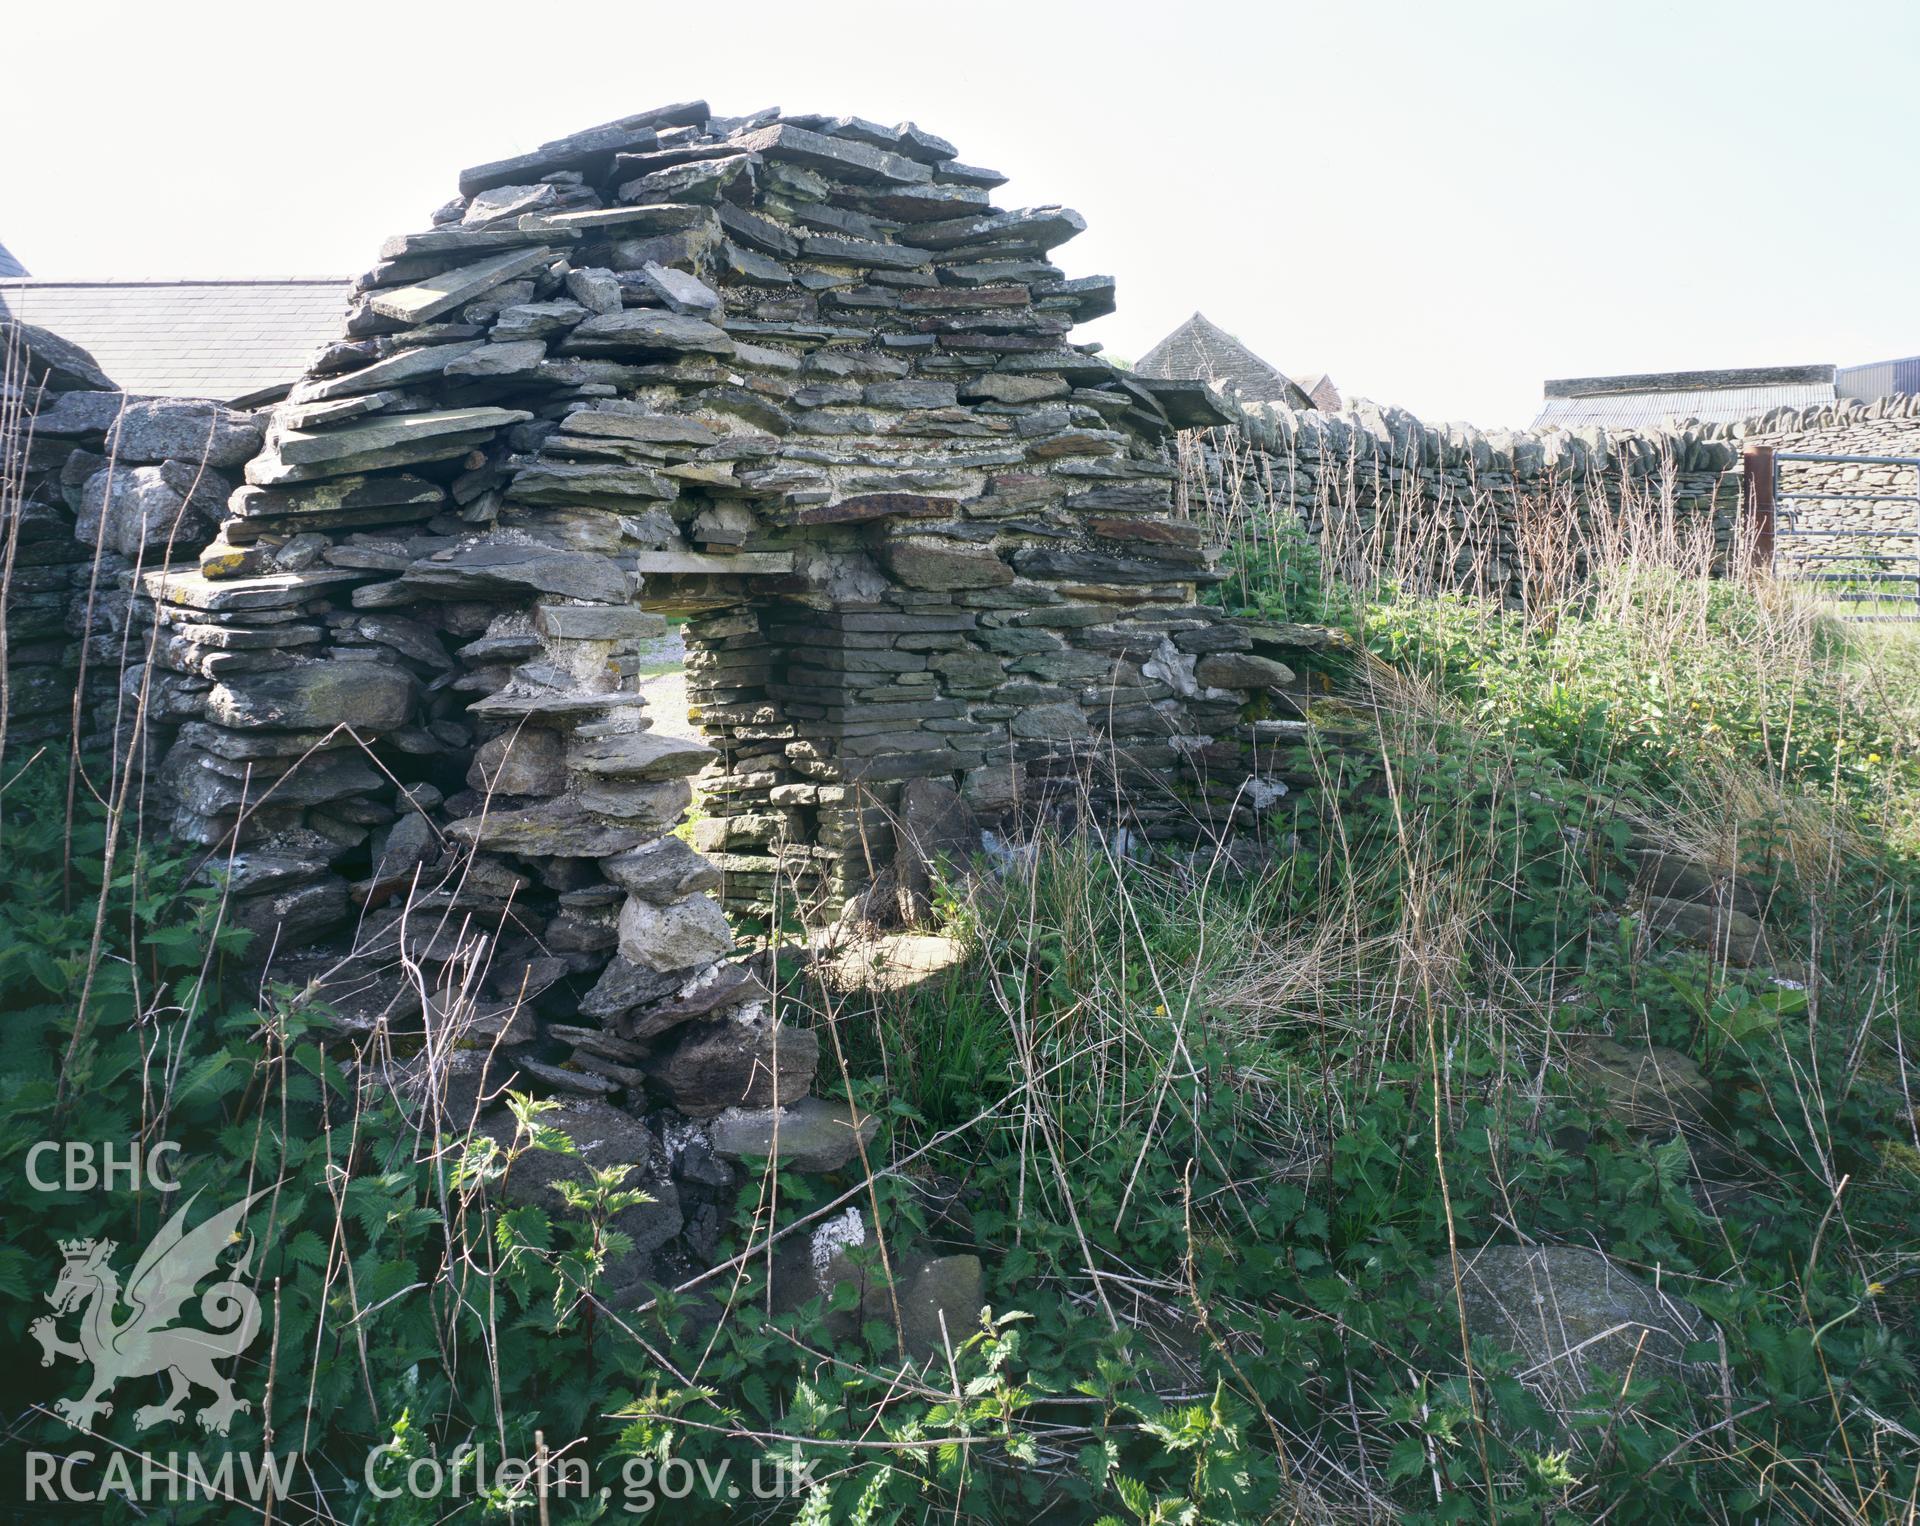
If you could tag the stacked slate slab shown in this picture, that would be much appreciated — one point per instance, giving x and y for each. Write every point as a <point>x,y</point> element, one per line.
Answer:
<point>796,376</point>
<point>798,379</point>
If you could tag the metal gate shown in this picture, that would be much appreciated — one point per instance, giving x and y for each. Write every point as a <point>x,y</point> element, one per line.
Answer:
<point>1875,564</point>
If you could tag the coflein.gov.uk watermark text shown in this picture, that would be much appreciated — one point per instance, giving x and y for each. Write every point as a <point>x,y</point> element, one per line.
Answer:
<point>637,1486</point>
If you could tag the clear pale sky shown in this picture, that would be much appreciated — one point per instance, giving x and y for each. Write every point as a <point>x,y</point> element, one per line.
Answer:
<point>1440,203</point>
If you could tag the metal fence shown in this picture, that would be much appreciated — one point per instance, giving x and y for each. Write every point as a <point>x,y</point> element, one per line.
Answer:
<point>1870,568</point>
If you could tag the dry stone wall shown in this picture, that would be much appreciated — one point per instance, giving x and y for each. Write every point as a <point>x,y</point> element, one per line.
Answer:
<point>1471,507</point>
<point>1463,507</point>
<point>99,483</point>
<point>1875,532</point>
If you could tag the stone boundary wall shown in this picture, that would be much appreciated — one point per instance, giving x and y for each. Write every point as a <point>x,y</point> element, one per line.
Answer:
<point>1468,506</point>
<point>1888,426</point>
<point>106,482</point>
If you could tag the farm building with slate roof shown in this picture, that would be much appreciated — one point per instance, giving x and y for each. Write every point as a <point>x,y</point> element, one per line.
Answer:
<point>1200,350</point>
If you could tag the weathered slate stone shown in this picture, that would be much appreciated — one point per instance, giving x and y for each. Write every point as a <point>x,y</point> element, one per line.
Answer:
<point>335,496</point>
<point>524,701</point>
<point>131,509</point>
<point>925,203</point>
<point>746,1062</point>
<point>441,243</point>
<point>837,156</point>
<point>563,482</point>
<point>701,180</point>
<point>811,1135</point>
<point>368,696</point>
<point>933,564</point>
<point>395,371</point>
<point>662,872</point>
<point>58,364</point>
<point>588,150</point>
<point>515,358</point>
<point>717,988</point>
<point>1030,228</point>
<point>1568,1311</point>
<point>866,253</point>
<point>185,587</point>
<point>77,413</point>
<point>650,428</point>
<point>594,289</point>
<point>501,203</point>
<point>596,622</point>
<point>442,293</point>
<point>1241,670</point>
<point>909,394</point>
<point>659,217</point>
<point>862,507</point>
<point>333,410</point>
<point>1093,567</point>
<point>558,828</point>
<point>306,448</point>
<point>641,331</point>
<point>689,931</point>
<point>638,754</point>
<point>506,565</point>
<point>682,292</point>
<point>292,916</point>
<point>1053,723</point>
<point>623,986</point>
<point>525,761</point>
<point>156,429</point>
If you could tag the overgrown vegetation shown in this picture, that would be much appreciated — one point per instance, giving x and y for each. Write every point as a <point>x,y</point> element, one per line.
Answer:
<point>1223,1136</point>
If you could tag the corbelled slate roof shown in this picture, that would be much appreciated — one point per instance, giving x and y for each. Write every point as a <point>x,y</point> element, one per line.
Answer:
<point>236,341</point>
<point>1200,350</point>
<point>1713,397</point>
<point>9,266</point>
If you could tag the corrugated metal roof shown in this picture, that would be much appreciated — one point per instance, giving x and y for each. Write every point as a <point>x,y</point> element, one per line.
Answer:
<point>9,266</point>
<point>230,340</point>
<point>1879,378</point>
<point>1714,405</point>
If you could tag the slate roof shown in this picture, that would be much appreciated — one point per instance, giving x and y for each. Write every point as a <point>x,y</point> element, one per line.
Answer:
<point>9,266</point>
<point>1716,397</point>
<point>1200,350</point>
<point>236,341</point>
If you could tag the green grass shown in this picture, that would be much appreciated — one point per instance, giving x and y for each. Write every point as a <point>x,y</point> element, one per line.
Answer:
<point>1211,1132</point>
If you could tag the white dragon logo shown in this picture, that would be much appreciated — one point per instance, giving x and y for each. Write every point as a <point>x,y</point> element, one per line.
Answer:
<point>144,1344</point>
